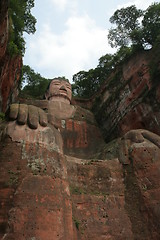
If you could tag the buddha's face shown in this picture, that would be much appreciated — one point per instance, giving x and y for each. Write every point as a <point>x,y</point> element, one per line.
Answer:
<point>59,88</point>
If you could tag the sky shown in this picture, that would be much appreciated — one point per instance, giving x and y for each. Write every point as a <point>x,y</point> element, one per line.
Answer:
<point>71,35</point>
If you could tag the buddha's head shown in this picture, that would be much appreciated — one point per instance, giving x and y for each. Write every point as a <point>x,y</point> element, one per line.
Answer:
<point>59,90</point>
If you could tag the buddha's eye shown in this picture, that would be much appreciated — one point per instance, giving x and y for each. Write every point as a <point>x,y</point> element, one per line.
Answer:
<point>56,84</point>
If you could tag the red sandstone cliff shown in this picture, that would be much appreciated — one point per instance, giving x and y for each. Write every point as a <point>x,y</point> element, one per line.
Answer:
<point>130,98</point>
<point>10,67</point>
<point>85,189</point>
<point>48,195</point>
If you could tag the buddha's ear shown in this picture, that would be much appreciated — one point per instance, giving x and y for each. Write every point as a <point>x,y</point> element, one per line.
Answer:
<point>46,95</point>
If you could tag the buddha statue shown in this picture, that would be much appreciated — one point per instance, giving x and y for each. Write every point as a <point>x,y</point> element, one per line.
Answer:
<point>60,180</point>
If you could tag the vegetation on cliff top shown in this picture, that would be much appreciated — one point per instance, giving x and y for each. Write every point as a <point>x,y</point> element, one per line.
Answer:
<point>135,27</point>
<point>134,30</point>
<point>20,20</point>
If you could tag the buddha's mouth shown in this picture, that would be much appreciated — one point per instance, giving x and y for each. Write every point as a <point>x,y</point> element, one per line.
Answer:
<point>63,91</point>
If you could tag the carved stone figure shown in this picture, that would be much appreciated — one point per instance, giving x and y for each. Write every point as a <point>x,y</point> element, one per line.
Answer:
<point>61,181</point>
<point>59,89</point>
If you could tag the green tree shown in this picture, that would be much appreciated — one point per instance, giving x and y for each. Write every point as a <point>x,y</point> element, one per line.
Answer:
<point>20,20</point>
<point>106,61</point>
<point>122,55</point>
<point>151,23</point>
<point>126,20</point>
<point>86,83</point>
<point>82,86</point>
<point>34,84</point>
<point>135,27</point>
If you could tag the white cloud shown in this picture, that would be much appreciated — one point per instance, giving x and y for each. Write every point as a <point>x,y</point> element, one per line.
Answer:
<point>77,48</point>
<point>63,4</point>
<point>139,4</point>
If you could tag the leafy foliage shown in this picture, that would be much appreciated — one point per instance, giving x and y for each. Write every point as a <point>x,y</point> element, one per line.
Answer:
<point>135,30</point>
<point>20,20</point>
<point>87,83</point>
<point>126,20</point>
<point>151,23</point>
<point>35,84</point>
<point>2,116</point>
<point>135,27</point>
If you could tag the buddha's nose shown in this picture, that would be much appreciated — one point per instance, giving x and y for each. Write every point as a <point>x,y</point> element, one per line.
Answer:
<point>62,88</point>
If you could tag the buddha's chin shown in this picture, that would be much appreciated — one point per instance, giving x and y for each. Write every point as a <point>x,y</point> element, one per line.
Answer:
<point>58,97</point>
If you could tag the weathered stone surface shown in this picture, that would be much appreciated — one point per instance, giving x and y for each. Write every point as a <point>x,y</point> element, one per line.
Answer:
<point>27,114</point>
<point>10,67</point>
<point>4,28</point>
<point>60,110</point>
<point>13,111</point>
<point>130,98</point>
<point>80,133</point>
<point>143,171</point>
<point>35,197</point>
<point>9,80</point>
<point>43,104</point>
<point>22,114</point>
<point>98,198</point>
<point>42,118</point>
<point>81,139</point>
<point>46,195</point>
<point>48,136</point>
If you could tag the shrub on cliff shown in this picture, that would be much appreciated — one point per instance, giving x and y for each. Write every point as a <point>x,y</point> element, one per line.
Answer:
<point>20,20</point>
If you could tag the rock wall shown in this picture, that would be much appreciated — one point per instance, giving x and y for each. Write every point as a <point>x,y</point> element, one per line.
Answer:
<point>10,67</point>
<point>46,194</point>
<point>35,197</point>
<point>129,99</point>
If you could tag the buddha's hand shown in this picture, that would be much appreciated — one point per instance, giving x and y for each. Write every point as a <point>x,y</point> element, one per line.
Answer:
<point>28,114</point>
